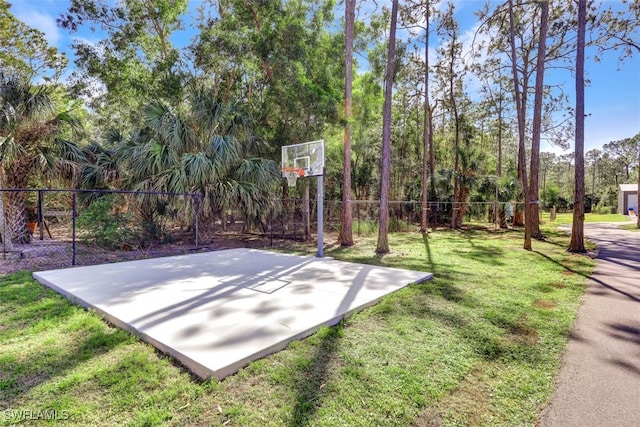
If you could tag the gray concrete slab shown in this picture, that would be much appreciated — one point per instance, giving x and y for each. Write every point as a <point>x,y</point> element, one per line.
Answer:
<point>217,311</point>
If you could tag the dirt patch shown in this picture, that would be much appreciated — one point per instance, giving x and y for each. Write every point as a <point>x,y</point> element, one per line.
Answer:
<point>522,333</point>
<point>51,254</point>
<point>567,272</point>
<point>430,417</point>
<point>467,404</point>
<point>544,304</point>
<point>559,285</point>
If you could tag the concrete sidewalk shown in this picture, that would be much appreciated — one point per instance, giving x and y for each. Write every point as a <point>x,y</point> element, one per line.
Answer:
<point>599,383</point>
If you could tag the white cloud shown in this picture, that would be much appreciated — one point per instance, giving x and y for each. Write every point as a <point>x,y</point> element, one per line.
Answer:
<point>42,22</point>
<point>87,41</point>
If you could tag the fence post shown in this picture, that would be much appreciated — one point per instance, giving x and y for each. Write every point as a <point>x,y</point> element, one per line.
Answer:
<point>73,228</point>
<point>282,215</point>
<point>197,219</point>
<point>271,226</point>
<point>40,217</point>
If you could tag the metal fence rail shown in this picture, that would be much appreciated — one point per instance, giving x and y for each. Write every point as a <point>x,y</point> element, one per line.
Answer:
<point>63,233</point>
<point>85,227</point>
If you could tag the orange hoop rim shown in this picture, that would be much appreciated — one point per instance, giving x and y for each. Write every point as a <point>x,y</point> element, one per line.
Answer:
<point>299,171</point>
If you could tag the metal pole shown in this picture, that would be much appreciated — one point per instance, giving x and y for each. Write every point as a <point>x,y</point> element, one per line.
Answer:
<point>197,220</point>
<point>40,217</point>
<point>73,228</point>
<point>320,215</point>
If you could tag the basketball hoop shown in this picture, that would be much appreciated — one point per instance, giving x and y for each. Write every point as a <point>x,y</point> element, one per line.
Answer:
<point>292,174</point>
<point>306,159</point>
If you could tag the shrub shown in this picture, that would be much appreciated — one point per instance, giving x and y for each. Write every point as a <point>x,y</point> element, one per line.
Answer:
<point>397,225</point>
<point>104,224</point>
<point>602,209</point>
<point>365,227</point>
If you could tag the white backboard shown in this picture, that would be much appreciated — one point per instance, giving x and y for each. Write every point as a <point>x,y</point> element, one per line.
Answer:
<point>309,156</point>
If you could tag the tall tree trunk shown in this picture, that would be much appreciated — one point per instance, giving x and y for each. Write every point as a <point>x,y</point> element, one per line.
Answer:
<point>456,219</point>
<point>5,231</point>
<point>383,221</point>
<point>15,201</point>
<point>432,157</point>
<point>424,223</point>
<point>346,231</point>
<point>522,155</point>
<point>577,231</point>
<point>532,217</point>
<point>499,169</point>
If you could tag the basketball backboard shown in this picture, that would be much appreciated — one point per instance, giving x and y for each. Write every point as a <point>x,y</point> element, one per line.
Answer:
<point>306,158</point>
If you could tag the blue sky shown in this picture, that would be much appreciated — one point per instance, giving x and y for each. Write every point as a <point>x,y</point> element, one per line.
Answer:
<point>612,100</point>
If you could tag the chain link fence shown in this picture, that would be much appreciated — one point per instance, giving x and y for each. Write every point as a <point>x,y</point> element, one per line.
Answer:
<point>47,229</point>
<point>406,216</point>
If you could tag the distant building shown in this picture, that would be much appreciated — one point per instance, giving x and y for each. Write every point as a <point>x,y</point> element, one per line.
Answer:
<point>628,198</point>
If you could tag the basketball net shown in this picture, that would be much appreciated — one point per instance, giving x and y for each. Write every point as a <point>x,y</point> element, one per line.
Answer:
<point>292,175</point>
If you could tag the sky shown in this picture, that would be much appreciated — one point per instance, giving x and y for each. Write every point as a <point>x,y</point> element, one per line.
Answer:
<point>612,101</point>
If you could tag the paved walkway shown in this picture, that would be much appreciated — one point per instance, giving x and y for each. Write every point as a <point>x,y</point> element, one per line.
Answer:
<point>599,383</point>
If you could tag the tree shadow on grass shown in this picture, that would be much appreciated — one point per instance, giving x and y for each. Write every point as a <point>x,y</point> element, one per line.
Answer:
<point>313,377</point>
<point>43,357</point>
<point>427,248</point>
<point>474,250</point>
<point>438,271</point>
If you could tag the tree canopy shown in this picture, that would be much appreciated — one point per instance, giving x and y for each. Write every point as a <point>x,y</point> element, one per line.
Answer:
<point>210,114</point>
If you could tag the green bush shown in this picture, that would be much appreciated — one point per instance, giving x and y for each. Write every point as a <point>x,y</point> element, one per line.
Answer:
<point>602,209</point>
<point>104,225</point>
<point>365,227</point>
<point>398,225</point>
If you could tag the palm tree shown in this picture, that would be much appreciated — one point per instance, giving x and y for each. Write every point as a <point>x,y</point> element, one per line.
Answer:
<point>471,161</point>
<point>31,145</point>
<point>508,190</point>
<point>204,146</point>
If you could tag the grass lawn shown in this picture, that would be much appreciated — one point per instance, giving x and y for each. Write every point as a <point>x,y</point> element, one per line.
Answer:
<point>630,227</point>
<point>567,218</point>
<point>480,344</point>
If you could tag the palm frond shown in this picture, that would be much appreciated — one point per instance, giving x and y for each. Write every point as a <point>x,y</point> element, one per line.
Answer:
<point>198,169</point>
<point>169,127</point>
<point>9,150</point>
<point>261,171</point>
<point>224,149</point>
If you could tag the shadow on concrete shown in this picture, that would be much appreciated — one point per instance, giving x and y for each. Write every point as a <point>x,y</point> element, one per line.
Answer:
<point>596,280</point>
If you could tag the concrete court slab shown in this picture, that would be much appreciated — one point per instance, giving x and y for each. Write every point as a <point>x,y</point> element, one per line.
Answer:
<point>217,311</point>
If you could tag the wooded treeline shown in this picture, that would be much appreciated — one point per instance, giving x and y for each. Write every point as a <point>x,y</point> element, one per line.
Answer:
<point>137,111</point>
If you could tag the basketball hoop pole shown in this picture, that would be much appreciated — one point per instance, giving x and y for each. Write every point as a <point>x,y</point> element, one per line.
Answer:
<point>306,160</point>
<point>320,253</point>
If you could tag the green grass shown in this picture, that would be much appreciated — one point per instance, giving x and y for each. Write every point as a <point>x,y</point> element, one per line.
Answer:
<point>480,344</point>
<point>567,218</point>
<point>630,227</point>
